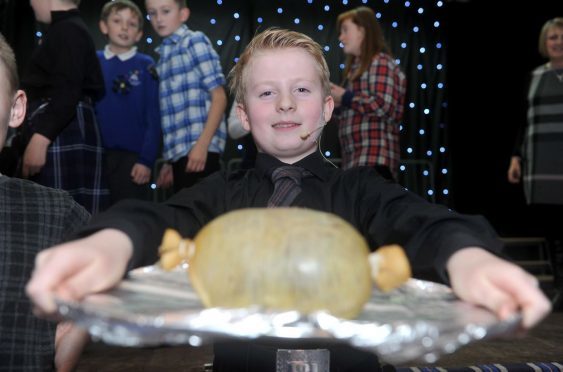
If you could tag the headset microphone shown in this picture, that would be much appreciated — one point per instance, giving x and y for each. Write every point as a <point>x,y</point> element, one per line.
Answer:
<point>304,136</point>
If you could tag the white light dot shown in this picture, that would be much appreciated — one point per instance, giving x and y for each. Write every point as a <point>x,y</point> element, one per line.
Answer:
<point>341,66</point>
<point>345,2</point>
<point>364,1</point>
<point>440,85</point>
<point>439,66</point>
<point>149,40</point>
<point>403,45</point>
<point>219,42</point>
<point>438,45</point>
<point>409,150</point>
<point>442,149</point>
<point>420,10</point>
<point>423,86</point>
<point>212,21</point>
<point>398,61</point>
<point>426,111</point>
<point>378,15</point>
<point>394,24</point>
<point>237,37</point>
<point>419,67</point>
<point>425,173</point>
<point>235,59</point>
<point>153,186</point>
<point>401,128</point>
<point>310,1</point>
<point>239,147</point>
<point>439,4</point>
<point>328,153</point>
<point>236,15</point>
<point>386,1</point>
<point>445,191</point>
<point>407,4</point>
<point>415,28</point>
<point>280,10</point>
<point>219,2</point>
<point>402,168</point>
<point>296,21</point>
<point>444,171</point>
<point>436,24</point>
<point>430,192</point>
<point>421,132</point>
<point>259,20</point>
<point>341,45</point>
<point>320,27</point>
<point>326,48</point>
<point>422,50</point>
<point>429,153</point>
<point>412,105</point>
<point>326,8</point>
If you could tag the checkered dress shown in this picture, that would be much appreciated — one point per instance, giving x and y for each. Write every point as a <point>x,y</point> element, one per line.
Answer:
<point>369,127</point>
<point>32,217</point>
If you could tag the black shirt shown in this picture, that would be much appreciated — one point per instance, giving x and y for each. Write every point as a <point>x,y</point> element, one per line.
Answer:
<point>382,211</point>
<point>64,68</point>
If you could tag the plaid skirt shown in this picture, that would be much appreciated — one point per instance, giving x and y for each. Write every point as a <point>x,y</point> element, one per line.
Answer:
<point>75,160</point>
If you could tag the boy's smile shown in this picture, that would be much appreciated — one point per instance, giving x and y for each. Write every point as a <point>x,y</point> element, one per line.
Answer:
<point>122,29</point>
<point>283,101</point>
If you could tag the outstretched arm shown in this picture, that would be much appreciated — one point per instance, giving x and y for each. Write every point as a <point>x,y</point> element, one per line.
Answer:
<point>73,270</point>
<point>482,278</point>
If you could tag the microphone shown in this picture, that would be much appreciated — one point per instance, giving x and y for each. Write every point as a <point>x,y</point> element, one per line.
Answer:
<point>304,136</point>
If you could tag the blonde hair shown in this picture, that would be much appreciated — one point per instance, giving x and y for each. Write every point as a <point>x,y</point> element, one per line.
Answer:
<point>117,5</point>
<point>555,22</point>
<point>372,44</point>
<point>8,63</point>
<point>271,39</point>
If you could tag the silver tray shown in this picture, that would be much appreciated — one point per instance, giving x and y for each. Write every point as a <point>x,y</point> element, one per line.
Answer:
<point>419,321</point>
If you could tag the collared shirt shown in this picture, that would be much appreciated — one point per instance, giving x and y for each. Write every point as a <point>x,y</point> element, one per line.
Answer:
<point>189,69</point>
<point>122,56</point>
<point>369,123</point>
<point>32,217</point>
<point>382,211</point>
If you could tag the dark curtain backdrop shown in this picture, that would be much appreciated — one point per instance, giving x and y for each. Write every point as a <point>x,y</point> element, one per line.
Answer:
<point>410,27</point>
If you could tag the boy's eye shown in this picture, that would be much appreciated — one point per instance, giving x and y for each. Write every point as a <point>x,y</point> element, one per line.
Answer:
<point>265,94</point>
<point>303,90</point>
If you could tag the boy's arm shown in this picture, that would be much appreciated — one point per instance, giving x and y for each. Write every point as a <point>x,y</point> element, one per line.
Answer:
<point>482,278</point>
<point>198,154</point>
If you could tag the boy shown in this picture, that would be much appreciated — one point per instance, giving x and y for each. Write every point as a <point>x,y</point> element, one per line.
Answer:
<point>284,105</point>
<point>128,115</point>
<point>33,217</point>
<point>192,97</point>
<point>62,81</point>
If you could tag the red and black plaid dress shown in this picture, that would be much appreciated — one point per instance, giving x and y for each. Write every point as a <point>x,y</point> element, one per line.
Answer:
<point>369,124</point>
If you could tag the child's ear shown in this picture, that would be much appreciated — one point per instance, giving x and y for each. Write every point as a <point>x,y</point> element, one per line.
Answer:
<point>103,27</point>
<point>17,112</point>
<point>243,117</point>
<point>185,14</point>
<point>328,108</point>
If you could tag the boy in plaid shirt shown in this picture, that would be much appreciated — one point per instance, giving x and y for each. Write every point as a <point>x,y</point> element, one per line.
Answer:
<point>192,97</point>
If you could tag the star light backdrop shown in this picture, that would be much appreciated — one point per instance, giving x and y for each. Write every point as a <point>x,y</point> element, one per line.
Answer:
<point>413,30</point>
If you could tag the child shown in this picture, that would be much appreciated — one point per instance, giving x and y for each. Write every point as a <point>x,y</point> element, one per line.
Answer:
<point>192,97</point>
<point>62,80</point>
<point>283,105</point>
<point>372,100</point>
<point>33,217</point>
<point>128,115</point>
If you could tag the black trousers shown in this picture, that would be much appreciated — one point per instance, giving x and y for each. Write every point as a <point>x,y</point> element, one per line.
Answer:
<point>184,179</point>
<point>118,165</point>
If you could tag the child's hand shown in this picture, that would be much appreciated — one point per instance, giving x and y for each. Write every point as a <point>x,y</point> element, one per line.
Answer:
<point>165,177</point>
<point>140,174</point>
<point>479,277</point>
<point>35,155</point>
<point>73,270</point>
<point>197,157</point>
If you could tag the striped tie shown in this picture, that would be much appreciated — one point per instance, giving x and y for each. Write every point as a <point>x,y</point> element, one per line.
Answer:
<point>287,185</point>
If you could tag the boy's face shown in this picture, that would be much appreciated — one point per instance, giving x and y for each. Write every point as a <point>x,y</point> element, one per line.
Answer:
<point>284,102</point>
<point>122,29</point>
<point>12,108</point>
<point>166,16</point>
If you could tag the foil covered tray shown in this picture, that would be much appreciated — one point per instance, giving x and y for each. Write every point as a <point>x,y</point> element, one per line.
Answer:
<point>419,321</point>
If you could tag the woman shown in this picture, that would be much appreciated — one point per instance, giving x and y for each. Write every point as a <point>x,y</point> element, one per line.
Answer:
<point>538,155</point>
<point>371,97</point>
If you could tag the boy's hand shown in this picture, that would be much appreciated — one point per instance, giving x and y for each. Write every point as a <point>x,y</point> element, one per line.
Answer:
<point>165,177</point>
<point>479,277</point>
<point>197,157</point>
<point>514,171</point>
<point>35,155</point>
<point>73,270</point>
<point>140,174</point>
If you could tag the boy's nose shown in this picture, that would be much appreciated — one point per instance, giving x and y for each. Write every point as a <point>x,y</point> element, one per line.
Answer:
<point>286,102</point>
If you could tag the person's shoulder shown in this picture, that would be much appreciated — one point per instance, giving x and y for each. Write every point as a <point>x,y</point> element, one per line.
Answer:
<point>196,37</point>
<point>34,193</point>
<point>145,58</point>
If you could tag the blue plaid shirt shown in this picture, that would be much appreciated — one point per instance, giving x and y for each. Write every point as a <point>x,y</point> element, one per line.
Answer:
<point>189,69</point>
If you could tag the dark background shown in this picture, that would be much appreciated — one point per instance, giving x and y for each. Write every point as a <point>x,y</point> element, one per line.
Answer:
<point>458,153</point>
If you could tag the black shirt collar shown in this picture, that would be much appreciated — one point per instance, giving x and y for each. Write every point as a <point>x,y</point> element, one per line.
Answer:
<point>59,15</point>
<point>314,163</point>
